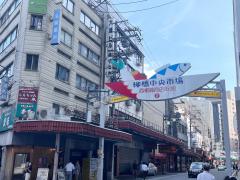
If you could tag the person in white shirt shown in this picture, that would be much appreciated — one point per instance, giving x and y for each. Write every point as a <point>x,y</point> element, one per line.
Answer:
<point>144,170</point>
<point>205,175</point>
<point>69,168</point>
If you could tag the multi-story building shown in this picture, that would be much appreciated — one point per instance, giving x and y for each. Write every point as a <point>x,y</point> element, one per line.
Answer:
<point>51,54</point>
<point>231,103</point>
<point>198,115</point>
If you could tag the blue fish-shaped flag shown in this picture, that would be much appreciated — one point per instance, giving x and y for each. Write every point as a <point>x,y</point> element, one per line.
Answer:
<point>172,70</point>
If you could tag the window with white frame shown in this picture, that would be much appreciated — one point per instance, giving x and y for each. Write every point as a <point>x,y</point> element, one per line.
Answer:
<point>36,22</point>
<point>84,84</point>
<point>62,73</point>
<point>68,4</point>
<point>88,54</point>
<point>9,11</point>
<point>89,23</point>
<point>66,38</point>
<point>32,62</point>
<point>8,40</point>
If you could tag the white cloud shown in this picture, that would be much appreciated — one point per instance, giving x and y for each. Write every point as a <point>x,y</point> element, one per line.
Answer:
<point>191,45</point>
<point>177,19</point>
<point>148,70</point>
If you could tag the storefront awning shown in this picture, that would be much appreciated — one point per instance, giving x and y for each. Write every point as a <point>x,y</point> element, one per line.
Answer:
<point>70,127</point>
<point>189,152</point>
<point>142,130</point>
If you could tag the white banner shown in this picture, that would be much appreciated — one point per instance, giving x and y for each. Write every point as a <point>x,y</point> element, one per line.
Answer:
<point>162,88</point>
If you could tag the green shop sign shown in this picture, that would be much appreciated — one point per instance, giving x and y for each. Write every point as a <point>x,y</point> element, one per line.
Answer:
<point>7,119</point>
<point>26,111</point>
<point>38,6</point>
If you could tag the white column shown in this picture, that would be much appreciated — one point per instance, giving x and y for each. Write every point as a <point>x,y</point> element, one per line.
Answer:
<point>101,139</point>
<point>226,127</point>
<point>55,166</point>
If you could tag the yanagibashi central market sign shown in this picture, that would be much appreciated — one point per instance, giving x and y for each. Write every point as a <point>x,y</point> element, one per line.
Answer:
<point>162,88</point>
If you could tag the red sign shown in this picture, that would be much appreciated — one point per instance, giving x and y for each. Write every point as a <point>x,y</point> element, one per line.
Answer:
<point>28,95</point>
<point>167,149</point>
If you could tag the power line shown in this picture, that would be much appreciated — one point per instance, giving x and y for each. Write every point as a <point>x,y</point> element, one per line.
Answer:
<point>133,2</point>
<point>144,9</point>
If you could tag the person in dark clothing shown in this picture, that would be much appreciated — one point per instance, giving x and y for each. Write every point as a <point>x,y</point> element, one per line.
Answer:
<point>135,168</point>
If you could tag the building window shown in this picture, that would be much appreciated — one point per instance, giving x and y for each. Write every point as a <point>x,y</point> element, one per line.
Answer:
<point>8,40</point>
<point>62,73</point>
<point>83,50</point>
<point>32,62</point>
<point>89,23</point>
<point>88,54</point>
<point>9,11</point>
<point>36,22</point>
<point>66,38</point>
<point>84,84</point>
<point>69,5</point>
<point>56,108</point>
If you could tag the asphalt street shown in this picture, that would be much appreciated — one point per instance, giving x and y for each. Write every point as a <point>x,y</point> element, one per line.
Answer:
<point>219,175</point>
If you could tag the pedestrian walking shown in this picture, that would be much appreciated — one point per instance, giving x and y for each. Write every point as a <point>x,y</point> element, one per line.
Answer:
<point>69,168</point>
<point>235,169</point>
<point>144,170</point>
<point>77,171</point>
<point>134,167</point>
<point>205,175</point>
<point>28,170</point>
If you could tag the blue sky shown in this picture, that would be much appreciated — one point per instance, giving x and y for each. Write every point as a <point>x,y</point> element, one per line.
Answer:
<point>195,31</point>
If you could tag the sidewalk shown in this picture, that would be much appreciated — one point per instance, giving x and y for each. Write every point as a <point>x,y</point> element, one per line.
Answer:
<point>129,177</point>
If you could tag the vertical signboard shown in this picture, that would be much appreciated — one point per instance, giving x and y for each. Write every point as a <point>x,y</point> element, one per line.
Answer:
<point>4,88</point>
<point>38,6</point>
<point>7,119</point>
<point>27,103</point>
<point>56,27</point>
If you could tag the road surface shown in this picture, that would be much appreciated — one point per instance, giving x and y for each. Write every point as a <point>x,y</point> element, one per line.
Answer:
<point>219,175</point>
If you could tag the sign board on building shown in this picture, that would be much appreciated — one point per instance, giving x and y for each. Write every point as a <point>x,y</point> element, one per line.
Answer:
<point>93,168</point>
<point>42,174</point>
<point>56,27</point>
<point>162,88</point>
<point>167,149</point>
<point>208,94</point>
<point>7,119</point>
<point>26,111</point>
<point>116,99</point>
<point>27,103</point>
<point>38,6</point>
<point>4,88</point>
<point>28,95</point>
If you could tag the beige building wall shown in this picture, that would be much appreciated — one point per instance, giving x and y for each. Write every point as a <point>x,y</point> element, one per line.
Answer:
<point>153,113</point>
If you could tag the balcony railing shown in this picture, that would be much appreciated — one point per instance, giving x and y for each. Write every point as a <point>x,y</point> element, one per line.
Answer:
<point>121,114</point>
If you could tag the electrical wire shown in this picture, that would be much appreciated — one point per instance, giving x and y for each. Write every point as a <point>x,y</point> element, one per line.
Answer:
<point>153,108</point>
<point>126,3</point>
<point>140,10</point>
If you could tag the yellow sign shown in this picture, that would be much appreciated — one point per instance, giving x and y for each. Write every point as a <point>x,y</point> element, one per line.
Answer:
<point>117,99</point>
<point>209,94</point>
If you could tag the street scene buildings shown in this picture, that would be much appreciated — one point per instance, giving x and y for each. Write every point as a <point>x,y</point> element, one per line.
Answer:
<point>55,58</point>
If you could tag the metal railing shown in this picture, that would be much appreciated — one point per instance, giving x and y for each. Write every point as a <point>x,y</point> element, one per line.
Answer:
<point>121,114</point>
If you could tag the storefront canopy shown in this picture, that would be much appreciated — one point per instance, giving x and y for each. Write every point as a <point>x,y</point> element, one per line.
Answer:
<point>85,129</point>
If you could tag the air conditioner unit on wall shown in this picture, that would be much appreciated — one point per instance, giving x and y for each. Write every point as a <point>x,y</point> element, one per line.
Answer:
<point>42,114</point>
